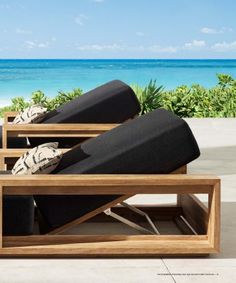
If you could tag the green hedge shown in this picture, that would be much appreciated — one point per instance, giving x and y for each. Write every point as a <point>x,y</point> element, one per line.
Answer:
<point>194,101</point>
<point>185,101</point>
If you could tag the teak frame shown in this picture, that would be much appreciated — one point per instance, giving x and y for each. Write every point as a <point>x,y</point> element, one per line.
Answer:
<point>203,224</point>
<point>200,223</point>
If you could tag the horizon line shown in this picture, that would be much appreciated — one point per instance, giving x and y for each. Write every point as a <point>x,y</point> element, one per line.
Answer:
<point>117,59</point>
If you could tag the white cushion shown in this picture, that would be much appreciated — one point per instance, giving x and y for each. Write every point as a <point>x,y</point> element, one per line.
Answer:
<point>42,159</point>
<point>32,114</point>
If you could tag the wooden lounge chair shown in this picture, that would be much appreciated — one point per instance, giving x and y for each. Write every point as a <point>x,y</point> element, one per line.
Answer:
<point>134,158</point>
<point>112,103</point>
<point>91,114</point>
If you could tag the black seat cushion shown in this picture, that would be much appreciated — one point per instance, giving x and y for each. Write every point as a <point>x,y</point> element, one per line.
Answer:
<point>18,214</point>
<point>14,142</point>
<point>113,102</point>
<point>158,142</point>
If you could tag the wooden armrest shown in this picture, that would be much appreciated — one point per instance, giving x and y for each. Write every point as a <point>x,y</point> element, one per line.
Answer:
<point>53,130</point>
<point>18,152</point>
<point>9,116</point>
<point>9,156</point>
<point>107,184</point>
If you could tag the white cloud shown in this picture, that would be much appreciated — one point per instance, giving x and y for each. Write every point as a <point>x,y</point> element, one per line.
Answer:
<point>224,46</point>
<point>139,33</point>
<point>98,47</point>
<point>195,44</point>
<point>30,44</point>
<point>43,45</point>
<point>80,19</point>
<point>117,47</point>
<point>208,30</point>
<point>23,31</point>
<point>35,44</point>
<point>159,49</point>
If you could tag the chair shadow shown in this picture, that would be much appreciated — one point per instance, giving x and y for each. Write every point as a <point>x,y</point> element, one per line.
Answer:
<point>228,231</point>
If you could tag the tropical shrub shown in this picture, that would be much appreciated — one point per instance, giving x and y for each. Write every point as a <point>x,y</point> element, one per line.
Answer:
<point>38,97</point>
<point>149,97</point>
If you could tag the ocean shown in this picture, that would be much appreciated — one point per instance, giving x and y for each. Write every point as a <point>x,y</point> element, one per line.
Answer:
<point>22,77</point>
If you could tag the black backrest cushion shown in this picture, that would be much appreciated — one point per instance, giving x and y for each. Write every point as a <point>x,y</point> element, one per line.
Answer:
<point>113,102</point>
<point>158,142</point>
<point>14,142</point>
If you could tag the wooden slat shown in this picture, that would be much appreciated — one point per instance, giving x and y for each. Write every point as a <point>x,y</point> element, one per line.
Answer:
<point>17,241</point>
<point>4,136</point>
<point>142,247</point>
<point>57,130</point>
<point>98,180</point>
<point>106,184</point>
<point>53,130</point>
<point>103,190</point>
<point>1,218</point>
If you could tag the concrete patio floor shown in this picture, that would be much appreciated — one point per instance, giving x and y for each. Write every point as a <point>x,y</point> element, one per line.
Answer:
<point>217,141</point>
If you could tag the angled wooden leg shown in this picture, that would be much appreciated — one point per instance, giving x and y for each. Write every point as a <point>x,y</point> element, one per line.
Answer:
<point>213,230</point>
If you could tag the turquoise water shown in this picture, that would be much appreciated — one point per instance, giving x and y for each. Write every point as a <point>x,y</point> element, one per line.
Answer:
<point>21,77</point>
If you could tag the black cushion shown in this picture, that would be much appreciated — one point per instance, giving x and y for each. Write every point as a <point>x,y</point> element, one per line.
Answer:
<point>14,142</point>
<point>158,142</point>
<point>113,102</point>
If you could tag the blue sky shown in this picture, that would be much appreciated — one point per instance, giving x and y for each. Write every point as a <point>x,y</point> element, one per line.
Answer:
<point>117,29</point>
